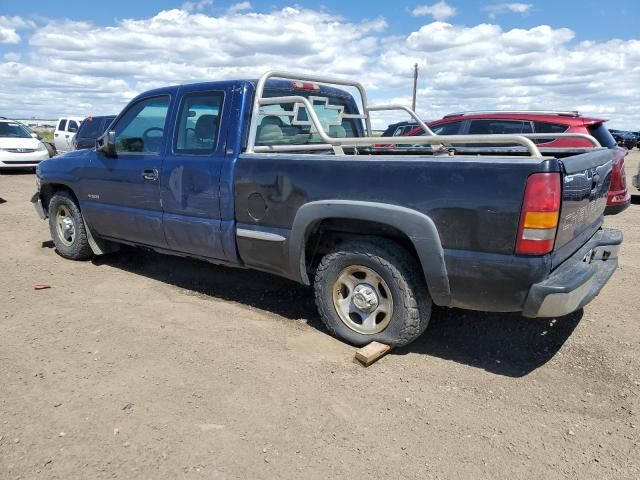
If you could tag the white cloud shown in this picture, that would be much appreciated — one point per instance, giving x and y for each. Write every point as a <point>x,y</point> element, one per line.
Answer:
<point>496,9</point>
<point>9,27</point>
<point>198,6</point>
<point>239,7</point>
<point>12,57</point>
<point>9,36</point>
<point>15,22</point>
<point>82,68</point>
<point>439,11</point>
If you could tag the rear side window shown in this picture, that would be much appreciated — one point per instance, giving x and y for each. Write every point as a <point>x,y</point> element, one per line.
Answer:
<point>62,125</point>
<point>199,123</point>
<point>499,127</point>
<point>600,132</point>
<point>548,127</point>
<point>449,128</point>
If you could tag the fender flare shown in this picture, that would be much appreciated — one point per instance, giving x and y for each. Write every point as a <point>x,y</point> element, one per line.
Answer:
<point>417,226</point>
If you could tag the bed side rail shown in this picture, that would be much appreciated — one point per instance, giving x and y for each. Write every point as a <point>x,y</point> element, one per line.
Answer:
<point>338,143</point>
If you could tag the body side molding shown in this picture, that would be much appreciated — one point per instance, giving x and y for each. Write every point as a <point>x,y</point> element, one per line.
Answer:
<point>259,235</point>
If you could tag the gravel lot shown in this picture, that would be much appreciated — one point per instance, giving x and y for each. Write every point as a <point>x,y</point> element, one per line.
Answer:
<point>145,366</point>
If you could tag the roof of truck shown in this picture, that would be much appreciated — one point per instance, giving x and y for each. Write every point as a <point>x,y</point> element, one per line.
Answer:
<point>225,84</point>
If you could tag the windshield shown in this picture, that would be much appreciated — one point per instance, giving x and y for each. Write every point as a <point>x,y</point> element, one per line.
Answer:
<point>13,130</point>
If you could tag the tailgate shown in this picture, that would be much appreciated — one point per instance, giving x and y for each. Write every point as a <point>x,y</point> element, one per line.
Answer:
<point>586,181</point>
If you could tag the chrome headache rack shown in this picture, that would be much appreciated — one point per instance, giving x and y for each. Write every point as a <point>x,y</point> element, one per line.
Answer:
<point>337,143</point>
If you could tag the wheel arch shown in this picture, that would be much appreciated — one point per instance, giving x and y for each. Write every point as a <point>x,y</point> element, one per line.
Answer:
<point>415,226</point>
<point>48,190</point>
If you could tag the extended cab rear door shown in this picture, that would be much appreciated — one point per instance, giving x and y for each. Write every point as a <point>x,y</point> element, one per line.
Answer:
<point>191,173</point>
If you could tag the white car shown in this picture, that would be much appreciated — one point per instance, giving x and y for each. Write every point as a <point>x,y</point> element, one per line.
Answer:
<point>19,148</point>
<point>66,128</point>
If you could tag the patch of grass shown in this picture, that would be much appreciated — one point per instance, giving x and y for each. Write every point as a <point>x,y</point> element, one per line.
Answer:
<point>47,135</point>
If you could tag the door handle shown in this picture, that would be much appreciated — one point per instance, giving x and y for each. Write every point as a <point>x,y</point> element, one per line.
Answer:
<point>56,135</point>
<point>150,174</point>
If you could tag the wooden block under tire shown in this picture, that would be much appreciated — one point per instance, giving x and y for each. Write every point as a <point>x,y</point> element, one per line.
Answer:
<point>372,352</point>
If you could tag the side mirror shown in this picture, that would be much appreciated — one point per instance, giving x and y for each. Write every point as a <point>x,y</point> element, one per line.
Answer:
<point>107,144</point>
<point>35,135</point>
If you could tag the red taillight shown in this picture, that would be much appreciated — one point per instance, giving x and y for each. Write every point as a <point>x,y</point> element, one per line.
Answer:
<point>540,214</point>
<point>305,85</point>
<point>618,176</point>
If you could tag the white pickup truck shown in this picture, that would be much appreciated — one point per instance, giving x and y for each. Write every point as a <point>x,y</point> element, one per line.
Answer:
<point>66,128</point>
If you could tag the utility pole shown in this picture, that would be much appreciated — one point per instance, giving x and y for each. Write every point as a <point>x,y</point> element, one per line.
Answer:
<point>415,86</point>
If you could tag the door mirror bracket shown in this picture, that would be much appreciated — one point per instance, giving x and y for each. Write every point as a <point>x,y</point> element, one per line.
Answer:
<point>107,144</point>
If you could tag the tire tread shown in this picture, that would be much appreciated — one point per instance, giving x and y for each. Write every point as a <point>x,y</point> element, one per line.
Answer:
<point>401,265</point>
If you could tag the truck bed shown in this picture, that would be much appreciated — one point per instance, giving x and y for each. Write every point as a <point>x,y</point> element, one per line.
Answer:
<point>474,203</point>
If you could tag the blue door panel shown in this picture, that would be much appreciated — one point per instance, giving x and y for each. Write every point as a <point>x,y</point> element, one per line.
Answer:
<point>125,223</point>
<point>198,236</point>
<point>119,202</point>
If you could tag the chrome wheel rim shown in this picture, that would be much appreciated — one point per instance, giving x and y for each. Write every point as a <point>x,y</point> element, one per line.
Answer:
<point>65,225</point>
<point>362,300</point>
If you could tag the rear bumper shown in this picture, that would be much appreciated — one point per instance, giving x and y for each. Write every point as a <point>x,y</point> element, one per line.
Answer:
<point>578,279</point>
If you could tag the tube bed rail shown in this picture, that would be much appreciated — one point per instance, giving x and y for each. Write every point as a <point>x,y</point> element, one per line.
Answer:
<point>337,143</point>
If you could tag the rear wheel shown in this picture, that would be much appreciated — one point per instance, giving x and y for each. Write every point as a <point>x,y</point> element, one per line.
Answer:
<point>372,291</point>
<point>67,227</point>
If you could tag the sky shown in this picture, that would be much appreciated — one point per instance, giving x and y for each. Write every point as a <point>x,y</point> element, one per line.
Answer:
<point>82,57</point>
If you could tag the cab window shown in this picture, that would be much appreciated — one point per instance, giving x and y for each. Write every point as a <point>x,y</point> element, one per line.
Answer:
<point>142,128</point>
<point>290,124</point>
<point>198,126</point>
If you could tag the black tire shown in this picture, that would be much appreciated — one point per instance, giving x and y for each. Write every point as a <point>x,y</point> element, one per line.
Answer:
<point>51,149</point>
<point>78,248</point>
<point>398,268</point>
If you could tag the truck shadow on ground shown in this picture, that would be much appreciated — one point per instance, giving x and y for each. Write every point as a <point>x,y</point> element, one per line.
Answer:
<point>501,343</point>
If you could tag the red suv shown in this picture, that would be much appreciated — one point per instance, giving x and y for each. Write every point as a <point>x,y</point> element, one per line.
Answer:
<point>473,123</point>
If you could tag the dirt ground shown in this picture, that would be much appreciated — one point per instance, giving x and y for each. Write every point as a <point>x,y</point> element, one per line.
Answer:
<point>142,366</point>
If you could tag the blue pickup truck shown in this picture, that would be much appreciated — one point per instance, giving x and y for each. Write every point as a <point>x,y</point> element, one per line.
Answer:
<point>279,174</point>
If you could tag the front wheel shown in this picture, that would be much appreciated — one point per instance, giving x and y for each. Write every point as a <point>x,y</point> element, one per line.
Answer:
<point>68,231</point>
<point>372,291</point>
